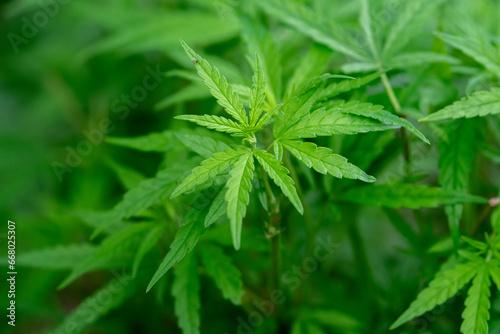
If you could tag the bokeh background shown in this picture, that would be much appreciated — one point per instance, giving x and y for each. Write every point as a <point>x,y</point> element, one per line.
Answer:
<point>65,66</point>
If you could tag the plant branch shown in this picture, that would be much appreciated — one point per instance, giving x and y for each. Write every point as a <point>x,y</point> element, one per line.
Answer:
<point>397,108</point>
<point>273,231</point>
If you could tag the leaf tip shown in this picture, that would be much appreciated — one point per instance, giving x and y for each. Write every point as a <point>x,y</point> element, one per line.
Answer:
<point>369,178</point>
<point>175,193</point>
<point>393,327</point>
<point>96,232</point>
<point>64,284</point>
<point>300,208</point>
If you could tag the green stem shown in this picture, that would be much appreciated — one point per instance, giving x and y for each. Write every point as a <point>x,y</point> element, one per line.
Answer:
<point>397,108</point>
<point>270,196</point>
<point>273,234</point>
<point>390,93</point>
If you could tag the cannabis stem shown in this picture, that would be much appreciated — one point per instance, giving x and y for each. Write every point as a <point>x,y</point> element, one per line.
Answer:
<point>273,234</point>
<point>397,108</point>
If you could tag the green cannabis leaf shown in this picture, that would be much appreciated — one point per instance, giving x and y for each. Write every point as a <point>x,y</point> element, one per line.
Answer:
<point>279,174</point>
<point>186,291</point>
<point>322,160</point>
<point>185,240</point>
<point>237,195</point>
<point>298,117</point>
<point>267,166</point>
<point>481,267</point>
<point>219,266</point>
<point>481,104</point>
<point>218,86</point>
<point>445,285</point>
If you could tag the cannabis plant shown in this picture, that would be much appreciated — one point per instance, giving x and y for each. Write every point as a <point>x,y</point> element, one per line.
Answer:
<point>304,167</point>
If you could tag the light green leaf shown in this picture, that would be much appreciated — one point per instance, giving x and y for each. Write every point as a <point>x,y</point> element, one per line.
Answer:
<point>278,150</point>
<point>226,276</point>
<point>481,104</point>
<point>445,285</point>
<point>153,142</point>
<point>332,121</point>
<point>298,106</point>
<point>495,272</point>
<point>217,209</point>
<point>324,161</point>
<point>408,24</point>
<point>476,313</point>
<point>477,47</point>
<point>268,116</point>
<point>185,239</point>
<point>217,123</point>
<point>208,169</point>
<point>377,112</point>
<point>475,243</point>
<point>259,39</point>
<point>279,174</point>
<point>352,67</point>
<point>243,91</point>
<point>343,86</point>
<point>114,250</point>
<point>301,18</point>
<point>186,292</point>
<point>203,145</point>
<point>56,258</point>
<point>218,85</point>
<point>258,92</point>
<point>149,241</point>
<point>407,196</point>
<point>237,195</point>
<point>365,22</point>
<point>413,59</point>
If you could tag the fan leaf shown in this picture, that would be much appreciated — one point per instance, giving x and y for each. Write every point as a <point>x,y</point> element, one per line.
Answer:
<point>324,161</point>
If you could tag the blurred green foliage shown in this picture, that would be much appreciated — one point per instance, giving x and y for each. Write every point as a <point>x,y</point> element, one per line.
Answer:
<point>88,95</point>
